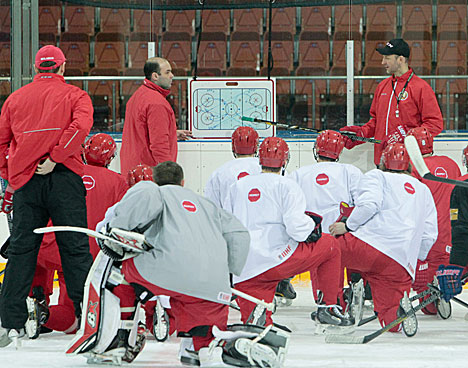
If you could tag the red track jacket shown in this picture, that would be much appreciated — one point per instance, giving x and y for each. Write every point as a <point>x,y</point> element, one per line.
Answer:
<point>46,118</point>
<point>150,130</point>
<point>418,107</point>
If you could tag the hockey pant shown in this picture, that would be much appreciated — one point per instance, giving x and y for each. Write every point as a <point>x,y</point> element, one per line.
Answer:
<point>387,278</point>
<point>438,255</point>
<point>322,256</point>
<point>189,313</point>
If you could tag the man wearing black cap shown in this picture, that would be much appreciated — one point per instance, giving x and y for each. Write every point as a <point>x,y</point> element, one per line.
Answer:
<point>42,128</point>
<point>401,102</point>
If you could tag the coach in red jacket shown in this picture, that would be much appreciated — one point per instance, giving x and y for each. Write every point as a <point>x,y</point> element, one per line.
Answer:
<point>42,128</point>
<point>150,131</point>
<point>401,102</point>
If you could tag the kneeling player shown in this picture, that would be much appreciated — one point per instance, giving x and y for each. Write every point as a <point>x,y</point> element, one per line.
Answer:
<point>393,224</point>
<point>194,247</point>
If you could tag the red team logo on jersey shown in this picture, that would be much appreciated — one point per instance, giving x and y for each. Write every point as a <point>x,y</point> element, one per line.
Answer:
<point>322,179</point>
<point>440,172</point>
<point>254,195</point>
<point>88,182</point>
<point>409,188</point>
<point>242,174</point>
<point>189,206</point>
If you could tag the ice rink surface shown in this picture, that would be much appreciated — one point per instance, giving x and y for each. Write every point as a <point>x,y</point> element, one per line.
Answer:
<point>438,343</point>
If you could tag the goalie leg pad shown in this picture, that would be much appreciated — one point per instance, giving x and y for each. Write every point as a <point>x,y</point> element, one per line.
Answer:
<point>254,345</point>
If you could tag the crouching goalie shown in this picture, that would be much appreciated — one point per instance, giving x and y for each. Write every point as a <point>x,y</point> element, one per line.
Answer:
<point>186,248</point>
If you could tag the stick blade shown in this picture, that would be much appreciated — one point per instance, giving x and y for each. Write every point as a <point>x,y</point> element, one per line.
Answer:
<point>344,339</point>
<point>415,154</point>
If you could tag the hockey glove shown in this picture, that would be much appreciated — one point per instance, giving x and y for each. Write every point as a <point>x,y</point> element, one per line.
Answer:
<point>316,234</point>
<point>7,201</point>
<point>422,276</point>
<point>123,248</point>
<point>396,136</point>
<point>450,283</point>
<point>345,211</point>
<point>349,143</point>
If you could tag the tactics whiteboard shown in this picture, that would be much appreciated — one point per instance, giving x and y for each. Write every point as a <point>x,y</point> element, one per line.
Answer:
<point>217,105</point>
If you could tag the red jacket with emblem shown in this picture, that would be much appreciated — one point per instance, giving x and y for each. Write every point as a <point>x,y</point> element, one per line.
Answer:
<point>46,118</point>
<point>418,107</point>
<point>150,130</point>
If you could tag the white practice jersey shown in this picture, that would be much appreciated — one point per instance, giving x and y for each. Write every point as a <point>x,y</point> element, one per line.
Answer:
<point>395,213</point>
<point>325,185</point>
<point>222,178</point>
<point>272,208</point>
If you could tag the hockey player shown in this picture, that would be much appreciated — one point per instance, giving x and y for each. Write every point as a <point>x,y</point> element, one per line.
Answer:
<point>196,246</point>
<point>285,241</point>
<point>327,183</point>
<point>103,188</point>
<point>444,167</point>
<point>138,173</point>
<point>244,148</point>
<point>393,224</point>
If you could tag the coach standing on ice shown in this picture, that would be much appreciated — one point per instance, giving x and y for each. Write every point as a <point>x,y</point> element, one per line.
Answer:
<point>42,128</point>
<point>402,101</point>
<point>150,131</point>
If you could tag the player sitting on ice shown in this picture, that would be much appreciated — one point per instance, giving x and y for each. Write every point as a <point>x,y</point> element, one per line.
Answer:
<point>327,183</point>
<point>445,167</point>
<point>194,246</point>
<point>285,240</point>
<point>393,224</point>
<point>103,188</point>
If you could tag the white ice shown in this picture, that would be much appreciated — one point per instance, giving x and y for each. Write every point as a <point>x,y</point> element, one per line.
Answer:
<point>438,343</point>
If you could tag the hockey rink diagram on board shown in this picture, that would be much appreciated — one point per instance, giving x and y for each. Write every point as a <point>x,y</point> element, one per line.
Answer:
<point>217,106</point>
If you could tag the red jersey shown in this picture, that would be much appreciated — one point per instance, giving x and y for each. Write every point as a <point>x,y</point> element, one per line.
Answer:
<point>46,118</point>
<point>150,130</point>
<point>443,167</point>
<point>104,188</point>
<point>417,107</point>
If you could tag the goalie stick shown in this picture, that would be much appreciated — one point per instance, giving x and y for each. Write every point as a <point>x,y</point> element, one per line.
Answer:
<point>135,242</point>
<point>351,135</point>
<point>414,152</point>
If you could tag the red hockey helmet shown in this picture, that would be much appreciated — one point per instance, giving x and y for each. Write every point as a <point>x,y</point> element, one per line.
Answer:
<point>244,141</point>
<point>138,173</point>
<point>274,152</point>
<point>424,138</point>
<point>329,144</point>
<point>465,157</point>
<point>99,150</point>
<point>395,157</point>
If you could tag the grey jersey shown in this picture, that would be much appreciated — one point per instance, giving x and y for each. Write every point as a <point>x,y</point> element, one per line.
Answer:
<point>196,244</point>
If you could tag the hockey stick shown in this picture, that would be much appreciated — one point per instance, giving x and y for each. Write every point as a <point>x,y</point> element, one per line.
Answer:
<point>418,161</point>
<point>140,244</point>
<point>250,298</point>
<point>351,135</point>
<point>367,320</point>
<point>347,339</point>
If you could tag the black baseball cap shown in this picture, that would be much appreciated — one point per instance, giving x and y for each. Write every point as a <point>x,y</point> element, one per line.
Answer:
<point>396,46</point>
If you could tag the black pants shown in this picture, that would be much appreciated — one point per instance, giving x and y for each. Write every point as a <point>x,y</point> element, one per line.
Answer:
<point>60,196</point>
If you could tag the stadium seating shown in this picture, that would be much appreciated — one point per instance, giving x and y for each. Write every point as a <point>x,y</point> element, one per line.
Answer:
<point>421,56</point>
<point>314,50</point>
<point>79,19</point>
<point>348,20</point>
<point>138,49</point>
<point>216,21</point>
<point>283,20</point>
<point>281,49</point>
<point>248,20</point>
<point>5,19</point>
<point>50,13</point>
<point>180,21</point>
<point>417,20</point>
<point>451,17</point>
<point>147,21</point>
<point>115,20</point>
<point>245,51</point>
<point>110,51</point>
<point>76,48</point>
<point>176,47</point>
<point>5,51</point>
<point>380,22</point>
<point>316,19</point>
<point>212,54</point>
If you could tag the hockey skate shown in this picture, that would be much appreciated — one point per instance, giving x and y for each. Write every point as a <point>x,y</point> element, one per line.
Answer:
<point>38,314</point>
<point>257,316</point>
<point>330,319</point>
<point>8,336</point>
<point>410,325</point>
<point>285,293</point>
<point>356,308</point>
<point>160,323</point>
<point>187,353</point>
